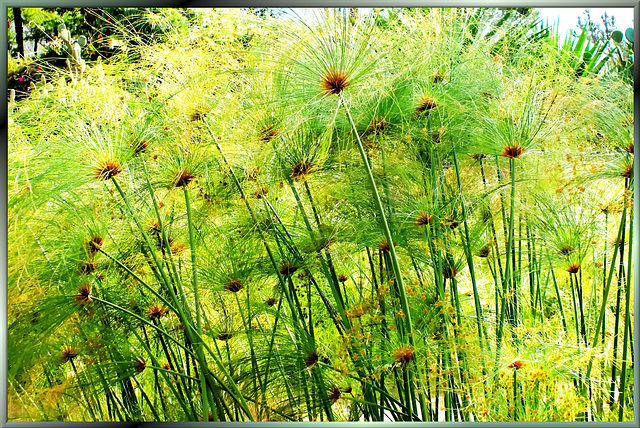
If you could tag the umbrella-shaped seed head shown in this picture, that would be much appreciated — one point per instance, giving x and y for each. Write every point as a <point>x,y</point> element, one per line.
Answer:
<point>84,294</point>
<point>512,150</point>
<point>140,364</point>
<point>403,354</point>
<point>288,268</point>
<point>268,132</point>
<point>68,353</point>
<point>94,244</point>
<point>484,251</point>
<point>311,359</point>
<point>271,301</point>
<point>573,268</point>
<point>234,285</point>
<point>155,311</point>
<point>423,219</point>
<point>425,104</point>
<point>566,249</point>
<point>627,170</point>
<point>334,394</point>
<point>378,125</point>
<point>107,168</point>
<point>300,170</point>
<point>182,178</point>
<point>334,81</point>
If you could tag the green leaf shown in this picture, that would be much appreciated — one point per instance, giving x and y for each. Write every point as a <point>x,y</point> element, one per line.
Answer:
<point>617,36</point>
<point>629,34</point>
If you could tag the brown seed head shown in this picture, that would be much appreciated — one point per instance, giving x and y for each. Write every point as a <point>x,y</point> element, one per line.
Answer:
<point>182,178</point>
<point>516,364</point>
<point>155,311</point>
<point>342,277</point>
<point>271,301</point>
<point>334,394</point>
<point>300,170</point>
<point>94,244</point>
<point>234,285</point>
<point>262,191</point>
<point>107,168</point>
<point>378,125</point>
<point>403,354</point>
<point>269,132</point>
<point>573,268</point>
<point>311,359</point>
<point>566,249</point>
<point>627,170</point>
<point>84,294</point>
<point>139,146</point>
<point>225,336</point>
<point>449,271</point>
<point>629,147</point>
<point>424,219</point>
<point>68,353</point>
<point>425,104</point>
<point>513,150</point>
<point>334,81</point>
<point>288,268</point>
<point>384,246</point>
<point>484,251</point>
<point>478,156</point>
<point>140,364</point>
<point>87,266</point>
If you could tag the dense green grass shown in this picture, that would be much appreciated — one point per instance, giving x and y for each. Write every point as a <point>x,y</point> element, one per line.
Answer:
<point>375,219</point>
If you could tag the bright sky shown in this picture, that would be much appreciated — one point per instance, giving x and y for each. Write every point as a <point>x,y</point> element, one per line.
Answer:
<point>568,17</point>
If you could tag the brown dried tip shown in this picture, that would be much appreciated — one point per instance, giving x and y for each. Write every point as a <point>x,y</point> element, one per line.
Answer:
<point>288,268</point>
<point>423,219</point>
<point>478,156</point>
<point>342,278</point>
<point>271,301</point>
<point>94,244</point>
<point>310,359</point>
<point>84,294</point>
<point>425,104</point>
<point>140,364</point>
<point>262,191</point>
<point>107,168</point>
<point>513,150</point>
<point>269,132</point>
<point>300,170</point>
<point>334,81</point>
<point>234,285</point>
<point>629,147</point>
<point>68,354</point>
<point>155,311</point>
<point>182,178</point>
<point>334,394</point>
<point>573,268</point>
<point>403,354</point>
<point>517,364</point>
